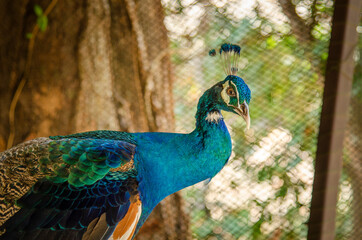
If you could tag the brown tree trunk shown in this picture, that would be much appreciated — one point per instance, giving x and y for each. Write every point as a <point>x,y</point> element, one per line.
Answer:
<point>299,27</point>
<point>98,65</point>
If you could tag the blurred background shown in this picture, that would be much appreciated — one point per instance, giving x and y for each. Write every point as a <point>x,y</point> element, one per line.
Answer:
<point>128,65</point>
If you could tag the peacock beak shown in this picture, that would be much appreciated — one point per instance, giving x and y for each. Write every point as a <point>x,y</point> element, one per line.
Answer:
<point>243,110</point>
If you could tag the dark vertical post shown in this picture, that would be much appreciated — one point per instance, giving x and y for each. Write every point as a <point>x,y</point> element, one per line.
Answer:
<point>338,83</point>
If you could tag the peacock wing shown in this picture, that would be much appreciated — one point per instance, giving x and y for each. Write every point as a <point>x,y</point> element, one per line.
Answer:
<point>67,188</point>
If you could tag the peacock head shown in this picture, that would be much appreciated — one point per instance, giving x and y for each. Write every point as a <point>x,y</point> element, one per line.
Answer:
<point>232,94</point>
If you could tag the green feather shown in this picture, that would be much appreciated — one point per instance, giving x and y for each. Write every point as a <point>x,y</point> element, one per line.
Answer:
<point>83,167</point>
<point>76,172</point>
<point>95,176</point>
<point>100,171</point>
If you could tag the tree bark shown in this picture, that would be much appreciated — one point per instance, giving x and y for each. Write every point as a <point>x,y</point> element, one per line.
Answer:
<point>301,30</point>
<point>98,65</point>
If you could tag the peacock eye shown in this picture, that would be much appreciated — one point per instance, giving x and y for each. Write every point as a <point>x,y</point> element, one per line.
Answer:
<point>230,91</point>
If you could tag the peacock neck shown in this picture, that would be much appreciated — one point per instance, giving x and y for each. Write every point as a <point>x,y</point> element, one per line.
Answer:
<point>208,115</point>
<point>175,161</point>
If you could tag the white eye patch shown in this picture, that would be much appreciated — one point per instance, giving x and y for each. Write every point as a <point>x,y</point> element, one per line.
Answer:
<point>237,93</point>
<point>224,95</point>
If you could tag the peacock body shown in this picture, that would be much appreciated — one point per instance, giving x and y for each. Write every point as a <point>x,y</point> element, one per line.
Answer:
<point>98,184</point>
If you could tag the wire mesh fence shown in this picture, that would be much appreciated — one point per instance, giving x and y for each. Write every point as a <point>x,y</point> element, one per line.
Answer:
<point>265,190</point>
<point>349,206</point>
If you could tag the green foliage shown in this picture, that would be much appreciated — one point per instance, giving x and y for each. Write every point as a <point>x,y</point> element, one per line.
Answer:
<point>28,35</point>
<point>286,80</point>
<point>38,10</point>
<point>42,20</point>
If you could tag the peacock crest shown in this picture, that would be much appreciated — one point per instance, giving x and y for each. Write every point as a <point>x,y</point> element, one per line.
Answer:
<point>230,55</point>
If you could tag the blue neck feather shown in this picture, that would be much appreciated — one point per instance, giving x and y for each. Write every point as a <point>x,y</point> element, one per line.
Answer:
<point>169,162</point>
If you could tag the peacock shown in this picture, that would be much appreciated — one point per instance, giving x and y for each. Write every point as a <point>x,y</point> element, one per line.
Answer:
<point>104,184</point>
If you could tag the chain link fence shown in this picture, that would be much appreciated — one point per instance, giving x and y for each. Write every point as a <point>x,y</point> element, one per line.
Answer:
<point>265,190</point>
<point>349,207</point>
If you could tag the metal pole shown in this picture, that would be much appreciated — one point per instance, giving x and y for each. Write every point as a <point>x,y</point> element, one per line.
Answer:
<point>336,97</point>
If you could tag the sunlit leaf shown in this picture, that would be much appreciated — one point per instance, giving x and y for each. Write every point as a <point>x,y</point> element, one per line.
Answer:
<point>38,10</point>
